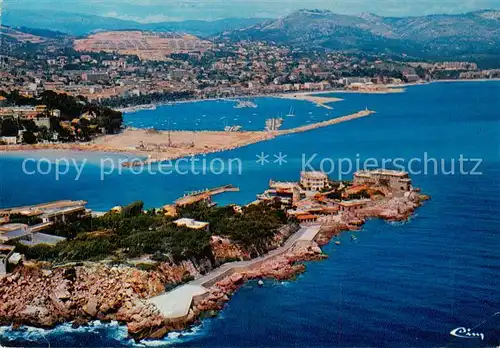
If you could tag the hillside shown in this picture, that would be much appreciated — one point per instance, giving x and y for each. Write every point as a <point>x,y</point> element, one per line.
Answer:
<point>476,33</point>
<point>20,35</point>
<point>82,25</point>
<point>146,45</point>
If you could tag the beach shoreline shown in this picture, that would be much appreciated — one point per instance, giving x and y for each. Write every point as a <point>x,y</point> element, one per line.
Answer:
<point>153,106</point>
<point>280,95</point>
<point>151,146</point>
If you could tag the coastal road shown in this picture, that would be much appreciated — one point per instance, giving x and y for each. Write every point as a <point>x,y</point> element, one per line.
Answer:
<point>176,304</point>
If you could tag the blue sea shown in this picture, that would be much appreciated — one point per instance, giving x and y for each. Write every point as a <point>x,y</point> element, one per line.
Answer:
<point>398,285</point>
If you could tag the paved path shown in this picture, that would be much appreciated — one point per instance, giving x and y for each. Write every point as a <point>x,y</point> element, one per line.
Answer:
<point>175,304</point>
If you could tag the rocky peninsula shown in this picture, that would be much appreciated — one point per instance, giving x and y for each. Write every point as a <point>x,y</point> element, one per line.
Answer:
<point>45,294</point>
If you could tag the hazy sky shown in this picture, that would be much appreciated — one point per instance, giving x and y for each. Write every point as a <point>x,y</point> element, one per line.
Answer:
<point>173,10</point>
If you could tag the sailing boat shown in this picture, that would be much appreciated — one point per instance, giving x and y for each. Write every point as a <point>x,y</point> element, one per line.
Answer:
<point>291,113</point>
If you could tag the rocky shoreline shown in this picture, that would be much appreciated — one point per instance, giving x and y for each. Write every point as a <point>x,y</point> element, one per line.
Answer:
<point>41,296</point>
<point>289,265</point>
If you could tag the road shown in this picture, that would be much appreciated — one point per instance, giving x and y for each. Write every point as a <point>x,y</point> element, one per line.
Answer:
<point>176,304</point>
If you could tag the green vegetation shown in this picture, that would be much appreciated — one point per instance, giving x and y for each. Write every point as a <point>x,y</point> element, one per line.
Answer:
<point>146,99</point>
<point>71,125</point>
<point>253,229</point>
<point>134,232</point>
<point>23,219</point>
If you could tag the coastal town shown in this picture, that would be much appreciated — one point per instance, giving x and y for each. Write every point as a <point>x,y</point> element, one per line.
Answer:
<point>83,267</point>
<point>65,93</point>
<point>249,173</point>
<point>150,68</point>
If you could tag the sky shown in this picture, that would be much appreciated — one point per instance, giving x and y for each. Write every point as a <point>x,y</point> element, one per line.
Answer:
<point>178,10</point>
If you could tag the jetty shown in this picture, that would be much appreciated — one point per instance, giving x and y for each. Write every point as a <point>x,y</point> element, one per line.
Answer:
<point>330,122</point>
<point>183,143</point>
<point>175,305</point>
<point>204,195</point>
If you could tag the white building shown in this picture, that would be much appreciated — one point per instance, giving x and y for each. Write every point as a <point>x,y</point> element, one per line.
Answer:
<point>398,181</point>
<point>313,181</point>
<point>9,140</point>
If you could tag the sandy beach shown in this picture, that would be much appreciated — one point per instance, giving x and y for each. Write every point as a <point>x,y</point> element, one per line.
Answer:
<point>161,146</point>
<point>310,97</point>
<point>158,146</point>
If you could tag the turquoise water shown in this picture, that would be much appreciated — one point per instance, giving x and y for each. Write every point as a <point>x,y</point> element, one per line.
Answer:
<point>396,285</point>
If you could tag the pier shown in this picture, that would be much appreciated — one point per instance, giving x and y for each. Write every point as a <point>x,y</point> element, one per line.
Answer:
<point>204,142</point>
<point>175,304</point>
<point>330,122</point>
<point>204,195</point>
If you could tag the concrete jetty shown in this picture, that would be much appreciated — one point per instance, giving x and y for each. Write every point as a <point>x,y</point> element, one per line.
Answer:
<point>327,123</point>
<point>175,304</point>
<point>204,195</point>
<point>262,136</point>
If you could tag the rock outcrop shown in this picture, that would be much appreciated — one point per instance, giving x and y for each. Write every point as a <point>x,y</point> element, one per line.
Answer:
<point>281,267</point>
<point>45,298</point>
<point>41,296</point>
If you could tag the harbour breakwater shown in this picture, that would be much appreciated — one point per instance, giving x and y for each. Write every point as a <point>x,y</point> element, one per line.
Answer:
<point>128,142</point>
<point>253,138</point>
<point>301,129</point>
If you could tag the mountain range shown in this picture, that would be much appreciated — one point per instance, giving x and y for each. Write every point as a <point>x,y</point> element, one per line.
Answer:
<point>469,34</point>
<point>82,24</point>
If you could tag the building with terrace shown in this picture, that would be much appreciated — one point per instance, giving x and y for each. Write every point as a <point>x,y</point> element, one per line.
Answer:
<point>14,232</point>
<point>313,181</point>
<point>397,181</point>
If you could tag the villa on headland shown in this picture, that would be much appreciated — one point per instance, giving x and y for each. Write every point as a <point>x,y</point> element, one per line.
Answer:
<point>313,181</point>
<point>399,181</point>
<point>314,197</point>
<point>158,288</point>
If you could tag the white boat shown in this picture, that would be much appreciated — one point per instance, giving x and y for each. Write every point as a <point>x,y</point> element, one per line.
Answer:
<point>291,113</point>
<point>235,128</point>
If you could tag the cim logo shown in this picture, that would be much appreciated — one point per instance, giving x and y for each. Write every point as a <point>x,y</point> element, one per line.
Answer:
<point>462,332</point>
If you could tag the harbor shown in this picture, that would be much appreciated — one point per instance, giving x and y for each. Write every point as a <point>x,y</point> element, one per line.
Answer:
<point>207,141</point>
